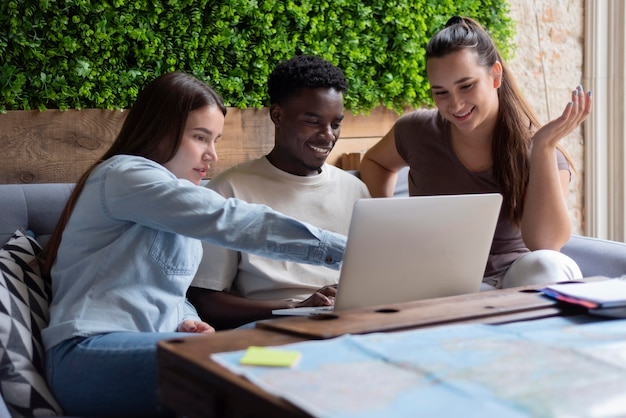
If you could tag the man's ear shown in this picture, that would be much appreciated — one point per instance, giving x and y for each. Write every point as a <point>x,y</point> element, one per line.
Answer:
<point>275,113</point>
<point>497,74</point>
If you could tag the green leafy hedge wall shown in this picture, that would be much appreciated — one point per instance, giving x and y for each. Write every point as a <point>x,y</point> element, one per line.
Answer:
<point>72,54</point>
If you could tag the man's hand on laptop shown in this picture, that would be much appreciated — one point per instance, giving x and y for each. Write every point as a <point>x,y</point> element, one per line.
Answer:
<point>324,296</point>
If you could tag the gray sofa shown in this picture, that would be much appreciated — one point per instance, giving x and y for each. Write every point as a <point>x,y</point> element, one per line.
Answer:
<point>36,207</point>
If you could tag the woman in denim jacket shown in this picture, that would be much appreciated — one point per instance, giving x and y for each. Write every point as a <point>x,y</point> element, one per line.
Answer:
<point>128,245</point>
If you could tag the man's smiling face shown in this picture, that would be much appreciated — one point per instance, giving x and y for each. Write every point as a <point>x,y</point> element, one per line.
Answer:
<point>307,128</point>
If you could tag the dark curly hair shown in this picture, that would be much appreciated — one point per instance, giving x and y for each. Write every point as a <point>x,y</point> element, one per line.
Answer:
<point>290,76</point>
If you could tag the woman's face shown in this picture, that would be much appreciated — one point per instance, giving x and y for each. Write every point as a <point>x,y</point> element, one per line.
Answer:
<point>465,92</point>
<point>197,149</point>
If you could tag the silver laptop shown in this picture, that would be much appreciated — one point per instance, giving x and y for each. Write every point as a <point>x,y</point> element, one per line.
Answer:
<point>403,249</point>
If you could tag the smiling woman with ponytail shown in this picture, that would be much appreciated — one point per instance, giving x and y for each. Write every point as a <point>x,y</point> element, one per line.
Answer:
<point>483,138</point>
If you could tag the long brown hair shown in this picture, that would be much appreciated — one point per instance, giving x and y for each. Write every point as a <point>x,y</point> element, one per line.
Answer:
<point>516,121</point>
<point>153,129</point>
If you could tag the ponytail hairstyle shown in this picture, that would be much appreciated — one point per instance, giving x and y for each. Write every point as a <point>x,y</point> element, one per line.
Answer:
<point>516,121</point>
<point>153,129</point>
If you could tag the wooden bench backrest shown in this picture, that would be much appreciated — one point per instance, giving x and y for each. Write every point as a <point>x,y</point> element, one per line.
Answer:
<point>58,146</point>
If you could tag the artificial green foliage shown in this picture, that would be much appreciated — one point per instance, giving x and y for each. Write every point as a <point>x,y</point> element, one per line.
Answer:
<point>73,54</point>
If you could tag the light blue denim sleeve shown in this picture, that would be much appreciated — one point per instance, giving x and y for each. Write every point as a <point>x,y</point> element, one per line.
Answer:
<point>189,312</point>
<point>144,192</point>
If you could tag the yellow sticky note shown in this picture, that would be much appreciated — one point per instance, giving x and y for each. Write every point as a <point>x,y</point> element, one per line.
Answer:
<point>262,356</point>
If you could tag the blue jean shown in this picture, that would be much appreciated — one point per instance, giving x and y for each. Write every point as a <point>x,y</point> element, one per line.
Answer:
<point>109,375</point>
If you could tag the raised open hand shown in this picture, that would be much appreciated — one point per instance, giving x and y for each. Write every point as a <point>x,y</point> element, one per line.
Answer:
<point>574,114</point>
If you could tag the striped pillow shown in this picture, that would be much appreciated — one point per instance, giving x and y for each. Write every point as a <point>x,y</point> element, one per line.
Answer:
<point>24,301</point>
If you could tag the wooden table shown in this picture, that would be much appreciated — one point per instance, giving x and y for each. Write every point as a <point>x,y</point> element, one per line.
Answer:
<point>195,386</point>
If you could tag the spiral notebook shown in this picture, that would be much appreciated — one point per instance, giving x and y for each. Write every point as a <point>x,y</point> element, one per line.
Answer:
<point>402,249</point>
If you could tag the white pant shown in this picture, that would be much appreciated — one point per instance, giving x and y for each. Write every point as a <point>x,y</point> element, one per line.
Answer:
<point>536,267</point>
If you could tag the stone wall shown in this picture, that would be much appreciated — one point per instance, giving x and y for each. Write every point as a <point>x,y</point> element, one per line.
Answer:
<point>548,65</point>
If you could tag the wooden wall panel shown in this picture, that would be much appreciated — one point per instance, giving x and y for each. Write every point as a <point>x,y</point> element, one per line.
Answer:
<point>248,134</point>
<point>58,146</point>
<point>53,146</point>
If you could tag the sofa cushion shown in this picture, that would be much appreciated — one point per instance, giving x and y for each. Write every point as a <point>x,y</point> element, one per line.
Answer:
<point>34,207</point>
<point>24,303</point>
<point>597,257</point>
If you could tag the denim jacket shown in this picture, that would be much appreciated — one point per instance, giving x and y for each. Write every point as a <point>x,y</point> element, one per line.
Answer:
<point>132,246</point>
